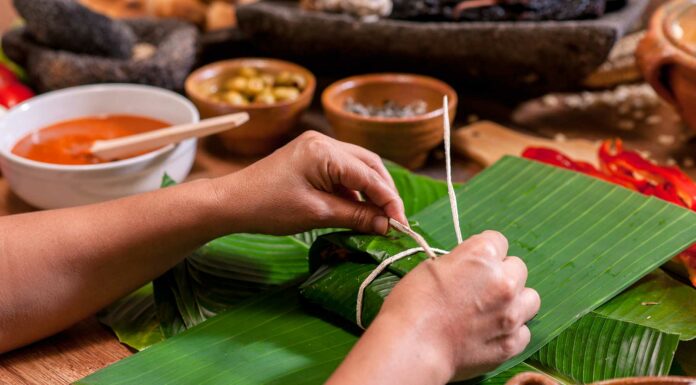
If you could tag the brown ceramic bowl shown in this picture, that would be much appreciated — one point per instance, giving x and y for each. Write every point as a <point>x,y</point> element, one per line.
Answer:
<point>531,378</point>
<point>406,141</point>
<point>667,56</point>
<point>270,124</point>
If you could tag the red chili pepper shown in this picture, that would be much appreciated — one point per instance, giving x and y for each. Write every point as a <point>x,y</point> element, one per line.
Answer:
<point>631,170</point>
<point>669,183</point>
<point>688,258</point>
<point>12,91</point>
<point>13,94</point>
<point>553,157</point>
<point>6,76</point>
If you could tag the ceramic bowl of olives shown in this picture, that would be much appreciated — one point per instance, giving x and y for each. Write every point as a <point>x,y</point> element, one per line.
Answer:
<point>275,93</point>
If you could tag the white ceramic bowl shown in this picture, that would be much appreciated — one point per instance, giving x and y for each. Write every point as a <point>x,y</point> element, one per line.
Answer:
<point>46,185</point>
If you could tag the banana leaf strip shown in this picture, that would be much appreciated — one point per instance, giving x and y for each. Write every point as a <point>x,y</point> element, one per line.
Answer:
<point>226,271</point>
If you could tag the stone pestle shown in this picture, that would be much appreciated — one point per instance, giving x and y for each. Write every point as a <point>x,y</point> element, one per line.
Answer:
<point>68,25</point>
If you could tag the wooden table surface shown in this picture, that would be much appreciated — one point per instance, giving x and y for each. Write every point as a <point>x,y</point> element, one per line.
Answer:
<point>89,346</point>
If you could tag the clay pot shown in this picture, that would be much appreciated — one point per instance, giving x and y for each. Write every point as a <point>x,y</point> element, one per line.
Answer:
<point>269,125</point>
<point>531,378</point>
<point>406,141</point>
<point>667,56</point>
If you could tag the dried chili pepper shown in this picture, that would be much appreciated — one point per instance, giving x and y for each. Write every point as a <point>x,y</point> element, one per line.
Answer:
<point>629,169</point>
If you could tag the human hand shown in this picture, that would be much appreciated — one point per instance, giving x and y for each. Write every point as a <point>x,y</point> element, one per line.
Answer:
<point>312,182</point>
<point>469,308</point>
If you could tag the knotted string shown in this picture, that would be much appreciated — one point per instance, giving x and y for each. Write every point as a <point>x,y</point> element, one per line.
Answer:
<point>377,271</point>
<point>403,228</point>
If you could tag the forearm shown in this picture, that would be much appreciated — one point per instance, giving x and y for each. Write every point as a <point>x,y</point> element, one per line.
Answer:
<point>60,266</point>
<point>389,353</point>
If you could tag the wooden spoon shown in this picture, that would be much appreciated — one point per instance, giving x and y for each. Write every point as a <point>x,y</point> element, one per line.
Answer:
<point>138,143</point>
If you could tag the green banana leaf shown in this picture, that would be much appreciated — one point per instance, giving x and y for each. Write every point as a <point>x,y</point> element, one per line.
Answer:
<point>226,271</point>
<point>604,348</point>
<point>134,319</point>
<point>417,191</point>
<point>597,348</point>
<point>657,301</point>
<point>513,192</point>
<point>273,339</point>
<point>270,339</point>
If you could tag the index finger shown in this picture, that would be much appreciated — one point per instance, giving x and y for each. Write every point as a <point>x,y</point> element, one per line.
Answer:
<point>372,160</point>
<point>357,175</point>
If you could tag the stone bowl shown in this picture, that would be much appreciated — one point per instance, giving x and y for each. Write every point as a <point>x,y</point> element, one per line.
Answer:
<point>269,125</point>
<point>667,56</point>
<point>174,48</point>
<point>406,141</point>
<point>521,55</point>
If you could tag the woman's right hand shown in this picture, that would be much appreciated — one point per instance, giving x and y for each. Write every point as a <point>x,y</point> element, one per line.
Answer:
<point>452,318</point>
<point>472,303</point>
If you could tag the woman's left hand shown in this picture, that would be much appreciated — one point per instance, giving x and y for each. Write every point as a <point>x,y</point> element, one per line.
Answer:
<point>312,182</point>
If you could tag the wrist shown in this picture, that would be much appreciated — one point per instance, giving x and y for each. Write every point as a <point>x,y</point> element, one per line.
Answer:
<point>218,205</point>
<point>431,352</point>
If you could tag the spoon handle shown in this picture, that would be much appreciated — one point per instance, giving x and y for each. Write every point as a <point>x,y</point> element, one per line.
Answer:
<point>133,144</point>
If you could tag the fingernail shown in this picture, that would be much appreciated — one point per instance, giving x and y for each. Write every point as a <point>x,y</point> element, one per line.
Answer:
<point>380,224</point>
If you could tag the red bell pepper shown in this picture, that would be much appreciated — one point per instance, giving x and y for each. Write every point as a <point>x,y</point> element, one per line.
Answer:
<point>631,170</point>
<point>12,91</point>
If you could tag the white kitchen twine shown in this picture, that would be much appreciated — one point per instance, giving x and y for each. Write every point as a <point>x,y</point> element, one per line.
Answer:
<point>403,228</point>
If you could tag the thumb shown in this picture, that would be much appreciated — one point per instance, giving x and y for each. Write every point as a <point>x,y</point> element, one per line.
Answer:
<point>360,216</point>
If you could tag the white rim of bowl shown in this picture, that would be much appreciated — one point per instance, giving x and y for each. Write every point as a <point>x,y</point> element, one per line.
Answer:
<point>99,166</point>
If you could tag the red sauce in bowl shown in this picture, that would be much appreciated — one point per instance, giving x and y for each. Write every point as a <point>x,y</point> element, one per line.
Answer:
<point>68,142</point>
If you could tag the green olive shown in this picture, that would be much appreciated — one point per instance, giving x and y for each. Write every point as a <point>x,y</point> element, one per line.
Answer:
<point>255,86</point>
<point>286,93</point>
<point>248,72</point>
<point>299,81</point>
<point>268,80</point>
<point>284,79</point>
<point>265,97</point>
<point>237,83</point>
<point>235,98</point>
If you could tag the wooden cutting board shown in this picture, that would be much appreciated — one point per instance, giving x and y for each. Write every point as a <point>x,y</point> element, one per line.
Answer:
<point>486,142</point>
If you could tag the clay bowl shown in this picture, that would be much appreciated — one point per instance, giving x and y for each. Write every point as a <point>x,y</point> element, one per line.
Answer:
<point>531,378</point>
<point>667,56</point>
<point>406,141</point>
<point>270,124</point>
